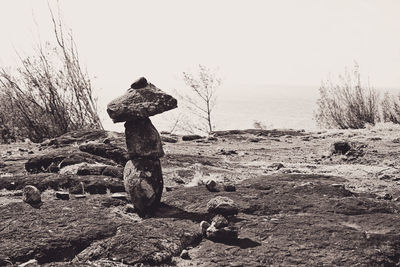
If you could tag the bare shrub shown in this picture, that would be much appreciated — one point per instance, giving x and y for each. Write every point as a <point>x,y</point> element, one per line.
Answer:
<point>347,104</point>
<point>48,94</point>
<point>391,108</point>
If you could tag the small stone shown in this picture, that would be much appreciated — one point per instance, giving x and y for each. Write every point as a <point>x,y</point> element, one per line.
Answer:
<point>168,139</point>
<point>129,208</point>
<point>222,234</point>
<point>211,186</point>
<point>191,137</point>
<point>219,221</point>
<point>31,195</point>
<point>62,195</point>
<point>139,83</point>
<point>203,226</point>
<point>185,254</point>
<point>30,263</point>
<point>341,147</point>
<point>276,166</point>
<point>121,196</point>
<point>222,205</point>
<point>229,187</point>
<point>143,139</point>
<point>79,196</point>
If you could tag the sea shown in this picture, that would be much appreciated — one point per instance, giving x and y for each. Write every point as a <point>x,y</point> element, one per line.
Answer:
<point>240,107</point>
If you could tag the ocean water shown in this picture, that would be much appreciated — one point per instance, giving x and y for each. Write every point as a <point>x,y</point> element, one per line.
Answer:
<point>273,106</point>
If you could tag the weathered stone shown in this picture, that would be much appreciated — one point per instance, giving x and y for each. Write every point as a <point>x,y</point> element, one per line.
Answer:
<point>168,139</point>
<point>219,221</point>
<point>185,254</point>
<point>203,227</point>
<point>143,102</point>
<point>229,187</point>
<point>30,263</point>
<point>191,137</point>
<point>211,186</point>
<point>31,195</point>
<point>222,205</point>
<point>223,234</point>
<point>62,195</point>
<point>139,83</point>
<point>144,184</point>
<point>143,139</point>
<point>341,147</point>
<point>109,151</point>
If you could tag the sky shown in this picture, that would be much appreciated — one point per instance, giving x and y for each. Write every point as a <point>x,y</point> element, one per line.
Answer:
<point>250,43</point>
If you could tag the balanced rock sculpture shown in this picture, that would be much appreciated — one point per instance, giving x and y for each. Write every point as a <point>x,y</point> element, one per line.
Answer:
<point>143,179</point>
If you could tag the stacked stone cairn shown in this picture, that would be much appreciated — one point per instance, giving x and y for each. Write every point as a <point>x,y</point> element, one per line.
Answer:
<point>143,179</point>
<point>222,228</point>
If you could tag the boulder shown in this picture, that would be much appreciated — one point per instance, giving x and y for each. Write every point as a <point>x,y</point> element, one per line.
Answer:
<point>141,102</point>
<point>31,195</point>
<point>222,205</point>
<point>143,139</point>
<point>106,150</point>
<point>143,182</point>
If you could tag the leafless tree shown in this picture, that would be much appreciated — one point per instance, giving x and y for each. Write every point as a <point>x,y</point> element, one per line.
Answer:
<point>49,93</point>
<point>200,100</point>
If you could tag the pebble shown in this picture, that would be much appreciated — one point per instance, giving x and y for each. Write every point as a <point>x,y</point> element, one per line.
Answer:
<point>229,187</point>
<point>62,195</point>
<point>185,254</point>
<point>211,186</point>
<point>31,195</point>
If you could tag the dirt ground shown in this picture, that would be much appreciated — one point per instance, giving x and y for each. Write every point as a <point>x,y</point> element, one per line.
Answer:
<point>300,201</point>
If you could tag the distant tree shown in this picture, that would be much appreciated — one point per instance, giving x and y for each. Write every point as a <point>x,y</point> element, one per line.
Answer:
<point>201,98</point>
<point>49,93</point>
<point>347,104</point>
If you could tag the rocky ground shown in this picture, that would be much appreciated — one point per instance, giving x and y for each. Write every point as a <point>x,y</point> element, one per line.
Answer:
<point>300,201</point>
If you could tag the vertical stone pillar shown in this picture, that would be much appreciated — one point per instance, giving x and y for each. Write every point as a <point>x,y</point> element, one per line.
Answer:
<point>142,174</point>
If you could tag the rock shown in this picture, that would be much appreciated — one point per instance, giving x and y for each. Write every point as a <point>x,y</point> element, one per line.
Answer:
<point>30,263</point>
<point>223,234</point>
<point>211,185</point>
<point>229,187</point>
<point>113,171</point>
<point>168,139</point>
<point>222,205</point>
<point>121,196</point>
<point>276,166</point>
<point>62,195</point>
<point>90,169</point>
<point>79,196</point>
<point>143,139</point>
<point>144,184</point>
<point>203,227</point>
<point>31,195</point>
<point>143,102</point>
<point>185,254</point>
<point>139,83</point>
<point>191,137</point>
<point>109,151</point>
<point>341,147</point>
<point>219,221</point>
